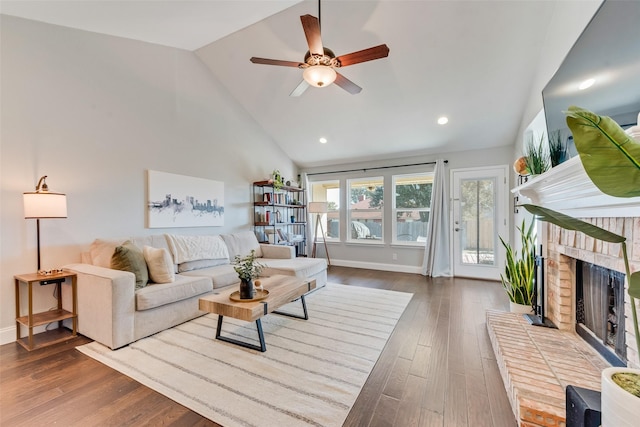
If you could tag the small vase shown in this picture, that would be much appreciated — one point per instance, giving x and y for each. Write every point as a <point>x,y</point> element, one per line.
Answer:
<point>246,289</point>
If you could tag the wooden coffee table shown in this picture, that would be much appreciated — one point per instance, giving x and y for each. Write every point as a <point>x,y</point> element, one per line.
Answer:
<point>282,290</point>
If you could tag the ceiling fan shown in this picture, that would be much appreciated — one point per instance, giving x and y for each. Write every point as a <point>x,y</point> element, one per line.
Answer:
<point>320,63</point>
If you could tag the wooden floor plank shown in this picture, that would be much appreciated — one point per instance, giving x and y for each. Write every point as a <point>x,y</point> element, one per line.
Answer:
<point>417,380</point>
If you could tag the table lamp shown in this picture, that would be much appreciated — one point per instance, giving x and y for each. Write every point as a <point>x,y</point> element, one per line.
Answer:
<point>43,204</point>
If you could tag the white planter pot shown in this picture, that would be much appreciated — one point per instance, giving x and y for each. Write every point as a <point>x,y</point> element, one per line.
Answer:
<point>520,308</point>
<point>619,407</point>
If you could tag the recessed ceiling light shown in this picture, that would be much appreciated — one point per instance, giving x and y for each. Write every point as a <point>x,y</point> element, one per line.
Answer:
<point>443,120</point>
<point>586,84</point>
<point>323,140</point>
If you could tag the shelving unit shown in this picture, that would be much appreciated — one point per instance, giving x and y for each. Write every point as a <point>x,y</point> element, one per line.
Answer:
<point>280,215</point>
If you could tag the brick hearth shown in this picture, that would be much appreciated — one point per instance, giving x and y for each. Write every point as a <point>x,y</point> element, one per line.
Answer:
<point>537,364</point>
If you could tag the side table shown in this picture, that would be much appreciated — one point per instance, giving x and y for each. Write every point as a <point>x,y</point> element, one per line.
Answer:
<point>32,319</point>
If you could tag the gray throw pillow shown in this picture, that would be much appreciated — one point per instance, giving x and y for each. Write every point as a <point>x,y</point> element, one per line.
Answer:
<point>128,257</point>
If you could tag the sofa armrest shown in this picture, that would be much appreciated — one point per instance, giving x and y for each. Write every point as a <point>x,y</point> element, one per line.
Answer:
<point>277,251</point>
<point>106,304</point>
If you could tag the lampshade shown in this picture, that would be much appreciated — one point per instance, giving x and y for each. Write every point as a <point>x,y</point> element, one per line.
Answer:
<point>319,75</point>
<point>45,205</point>
<point>318,207</point>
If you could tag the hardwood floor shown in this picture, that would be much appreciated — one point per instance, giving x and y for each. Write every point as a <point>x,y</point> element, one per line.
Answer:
<point>437,369</point>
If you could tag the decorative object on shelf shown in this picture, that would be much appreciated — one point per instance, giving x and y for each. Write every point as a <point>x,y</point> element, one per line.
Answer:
<point>42,204</point>
<point>319,208</point>
<point>519,274</point>
<point>247,269</point>
<point>184,201</point>
<point>293,184</point>
<point>520,166</point>
<point>276,180</point>
<point>557,149</point>
<point>535,156</point>
<point>604,147</point>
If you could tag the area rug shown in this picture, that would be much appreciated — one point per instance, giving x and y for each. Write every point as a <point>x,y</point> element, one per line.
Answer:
<point>310,375</point>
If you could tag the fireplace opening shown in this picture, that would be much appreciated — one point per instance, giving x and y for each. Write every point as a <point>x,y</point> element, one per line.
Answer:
<point>600,310</point>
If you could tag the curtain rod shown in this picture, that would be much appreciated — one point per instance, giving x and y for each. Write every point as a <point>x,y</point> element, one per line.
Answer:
<point>375,168</point>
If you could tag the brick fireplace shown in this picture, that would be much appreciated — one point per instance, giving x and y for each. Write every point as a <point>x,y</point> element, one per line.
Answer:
<point>564,247</point>
<point>567,189</point>
<point>537,363</point>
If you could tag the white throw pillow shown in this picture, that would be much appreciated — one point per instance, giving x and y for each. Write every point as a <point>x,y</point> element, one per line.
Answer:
<point>160,264</point>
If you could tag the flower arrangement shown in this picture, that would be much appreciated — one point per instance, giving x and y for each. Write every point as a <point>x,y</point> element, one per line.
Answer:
<point>247,267</point>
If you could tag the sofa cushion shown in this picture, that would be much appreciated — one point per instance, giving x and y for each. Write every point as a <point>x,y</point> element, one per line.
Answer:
<point>241,244</point>
<point>221,275</point>
<point>201,263</point>
<point>160,264</point>
<point>166,293</point>
<point>128,257</point>
<point>299,267</point>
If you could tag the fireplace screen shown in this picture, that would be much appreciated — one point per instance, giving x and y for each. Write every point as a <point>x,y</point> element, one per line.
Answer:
<point>600,308</point>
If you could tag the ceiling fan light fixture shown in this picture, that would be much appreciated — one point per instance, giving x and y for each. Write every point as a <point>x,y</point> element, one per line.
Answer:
<point>319,75</point>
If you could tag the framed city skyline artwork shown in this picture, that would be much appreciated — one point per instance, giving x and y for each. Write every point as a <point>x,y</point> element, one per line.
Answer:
<point>183,201</point>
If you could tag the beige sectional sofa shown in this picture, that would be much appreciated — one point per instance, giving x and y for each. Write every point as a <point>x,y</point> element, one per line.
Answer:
<point>112,311</point>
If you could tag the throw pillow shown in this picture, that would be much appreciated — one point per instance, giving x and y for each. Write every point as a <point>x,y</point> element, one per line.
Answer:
<point>128,257</point>
<point>101,251</point>
<point>160,264</point>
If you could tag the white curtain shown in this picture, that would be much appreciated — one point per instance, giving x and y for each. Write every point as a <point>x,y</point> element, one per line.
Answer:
<point>436,261</point>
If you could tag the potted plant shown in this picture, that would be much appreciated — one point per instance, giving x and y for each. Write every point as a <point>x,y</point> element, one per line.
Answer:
<point>611,159</point>
<point>518,277</point>
<point>247,269</point>
<point>277,180</point>
<point>557,149</point>
<point>535,157</point>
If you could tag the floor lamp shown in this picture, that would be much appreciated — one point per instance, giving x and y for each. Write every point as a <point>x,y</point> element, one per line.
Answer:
<point>43,204</point>
<point>319,208</point>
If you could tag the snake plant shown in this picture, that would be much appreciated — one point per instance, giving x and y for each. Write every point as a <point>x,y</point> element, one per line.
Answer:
<point>520,267</point>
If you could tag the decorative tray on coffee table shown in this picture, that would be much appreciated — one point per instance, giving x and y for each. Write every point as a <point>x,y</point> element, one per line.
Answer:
<point>257,296</point>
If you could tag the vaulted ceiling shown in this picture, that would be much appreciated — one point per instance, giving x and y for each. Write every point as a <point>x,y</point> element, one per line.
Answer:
<point>472,61</point>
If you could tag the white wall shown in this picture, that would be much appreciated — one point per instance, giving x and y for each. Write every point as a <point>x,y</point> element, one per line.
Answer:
<point>94,112</point>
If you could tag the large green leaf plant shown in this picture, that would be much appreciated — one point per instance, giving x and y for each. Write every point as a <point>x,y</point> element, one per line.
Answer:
<point>611,159</point>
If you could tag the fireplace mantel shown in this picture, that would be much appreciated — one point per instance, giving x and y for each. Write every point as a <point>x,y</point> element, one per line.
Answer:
<point>567,188</point>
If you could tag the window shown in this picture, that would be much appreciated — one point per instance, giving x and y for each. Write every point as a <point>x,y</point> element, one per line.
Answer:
<point>328,191</point>
<point>411,208</point>
<point>365,214</point>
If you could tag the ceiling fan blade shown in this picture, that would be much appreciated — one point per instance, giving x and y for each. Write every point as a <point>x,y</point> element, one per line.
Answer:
<point>266,61</point>
<point>347,84</point>
<point>376,52</point>
<point>311,27</point>
<point>299,90</point>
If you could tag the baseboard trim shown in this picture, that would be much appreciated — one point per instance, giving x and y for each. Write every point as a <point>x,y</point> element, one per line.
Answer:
<point>377,266</point>
<point>7,335</point>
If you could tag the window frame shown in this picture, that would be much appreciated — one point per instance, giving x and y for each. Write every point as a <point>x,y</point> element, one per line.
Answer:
<point>314,197</point>
<point>380,240</point>
<point>395,209</point>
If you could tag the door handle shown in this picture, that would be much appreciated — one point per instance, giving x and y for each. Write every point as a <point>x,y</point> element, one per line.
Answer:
<point>456,229</point>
